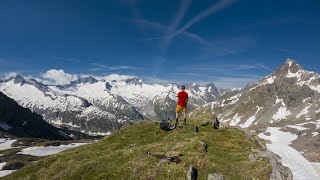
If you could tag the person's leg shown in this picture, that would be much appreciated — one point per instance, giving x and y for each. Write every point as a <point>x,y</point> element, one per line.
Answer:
<point>185,115</point>
<point>177,113</point>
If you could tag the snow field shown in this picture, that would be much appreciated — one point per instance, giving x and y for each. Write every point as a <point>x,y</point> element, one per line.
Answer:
<point>301,168</point>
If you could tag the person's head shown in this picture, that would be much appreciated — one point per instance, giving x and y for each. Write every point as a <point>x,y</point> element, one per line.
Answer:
<point>183,88</point>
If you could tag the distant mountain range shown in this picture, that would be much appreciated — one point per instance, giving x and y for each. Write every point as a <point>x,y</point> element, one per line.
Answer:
<point>99,107</point>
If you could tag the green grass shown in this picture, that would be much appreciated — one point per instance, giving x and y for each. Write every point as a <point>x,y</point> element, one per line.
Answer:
<point>121,156</point>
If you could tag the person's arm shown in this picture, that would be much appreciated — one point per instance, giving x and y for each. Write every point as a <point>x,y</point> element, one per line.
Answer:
<point>187,99</point>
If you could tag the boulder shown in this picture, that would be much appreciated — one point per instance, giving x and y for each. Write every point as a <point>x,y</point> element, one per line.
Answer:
<point>215,176</point>
<point>192,173</point>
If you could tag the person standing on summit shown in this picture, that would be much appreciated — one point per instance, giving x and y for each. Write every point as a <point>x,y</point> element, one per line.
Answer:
<point>182,105</point>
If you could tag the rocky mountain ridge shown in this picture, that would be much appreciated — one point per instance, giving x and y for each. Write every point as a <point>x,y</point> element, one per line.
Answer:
<point>99,107</point>
<point>287,98</point>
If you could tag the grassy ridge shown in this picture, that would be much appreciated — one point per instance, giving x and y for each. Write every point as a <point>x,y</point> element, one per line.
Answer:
<point>120,156</point>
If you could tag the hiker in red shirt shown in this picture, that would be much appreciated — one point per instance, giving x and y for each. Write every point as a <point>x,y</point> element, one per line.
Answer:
<point>182,105</point>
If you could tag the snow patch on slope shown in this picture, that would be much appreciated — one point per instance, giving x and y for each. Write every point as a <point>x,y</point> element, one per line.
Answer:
<point>48,150</point>
<point>268,80</point>
<point>301,168</point>
<point>234,99</point>
<point>93,111</point>
<point>231,100</point>
<point>296,74</point>
<point>6,143</point>
<point>318,124</point>
<point>251,119</point>
<point>98,133</point>
<point>271,79</point>
<point>235,120</point>
<point>316,88</point>
<point>282,112</point>
<point>59,122</point>
<point>5,172</point>
<point>304,111</point>
<point>297,127</point>
<point>93,91</point>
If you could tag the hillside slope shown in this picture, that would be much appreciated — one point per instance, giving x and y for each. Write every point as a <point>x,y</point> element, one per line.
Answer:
<point>21,122</point>
<point>121,156</point>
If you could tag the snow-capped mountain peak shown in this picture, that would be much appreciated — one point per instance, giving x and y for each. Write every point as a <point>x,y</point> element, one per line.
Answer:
<point>135,81</point>
<point>17,79</point>
<point>290,92</point>
<point>84,80</point>
<point>290,68</point>
<point>293,73</point>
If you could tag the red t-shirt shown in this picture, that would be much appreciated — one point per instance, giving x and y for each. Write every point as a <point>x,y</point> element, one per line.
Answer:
<point>182,98</point>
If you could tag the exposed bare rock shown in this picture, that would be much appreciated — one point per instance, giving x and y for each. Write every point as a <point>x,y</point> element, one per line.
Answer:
<point>192,173</point>
<point>215,176</point>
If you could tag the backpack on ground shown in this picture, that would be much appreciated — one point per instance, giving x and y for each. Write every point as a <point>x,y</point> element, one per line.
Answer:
<point>166,125</point>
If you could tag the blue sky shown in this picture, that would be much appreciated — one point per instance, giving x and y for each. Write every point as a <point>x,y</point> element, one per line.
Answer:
<point>228,42</point>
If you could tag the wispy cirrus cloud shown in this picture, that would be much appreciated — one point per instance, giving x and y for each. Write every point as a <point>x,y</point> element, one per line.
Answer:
<point>168,32</point>
<point>223,75</point>
<point>171,31</point>
<point>265,23</point>
<point>205,13</point>
<point>228,46</point>
<point>175,24</point>
<point>67,59</point>
<point>227,81</point>
<point>98,65</point>
<point>254,66</point>
<point>188,74</point>
<point>209,46</point>
<point>225,69</point>
<point>121,67</point>
<point>288,51</point>
<point>102,67</point>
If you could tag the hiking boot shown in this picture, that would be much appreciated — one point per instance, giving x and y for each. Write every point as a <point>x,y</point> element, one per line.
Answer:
<point>185,122</point>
